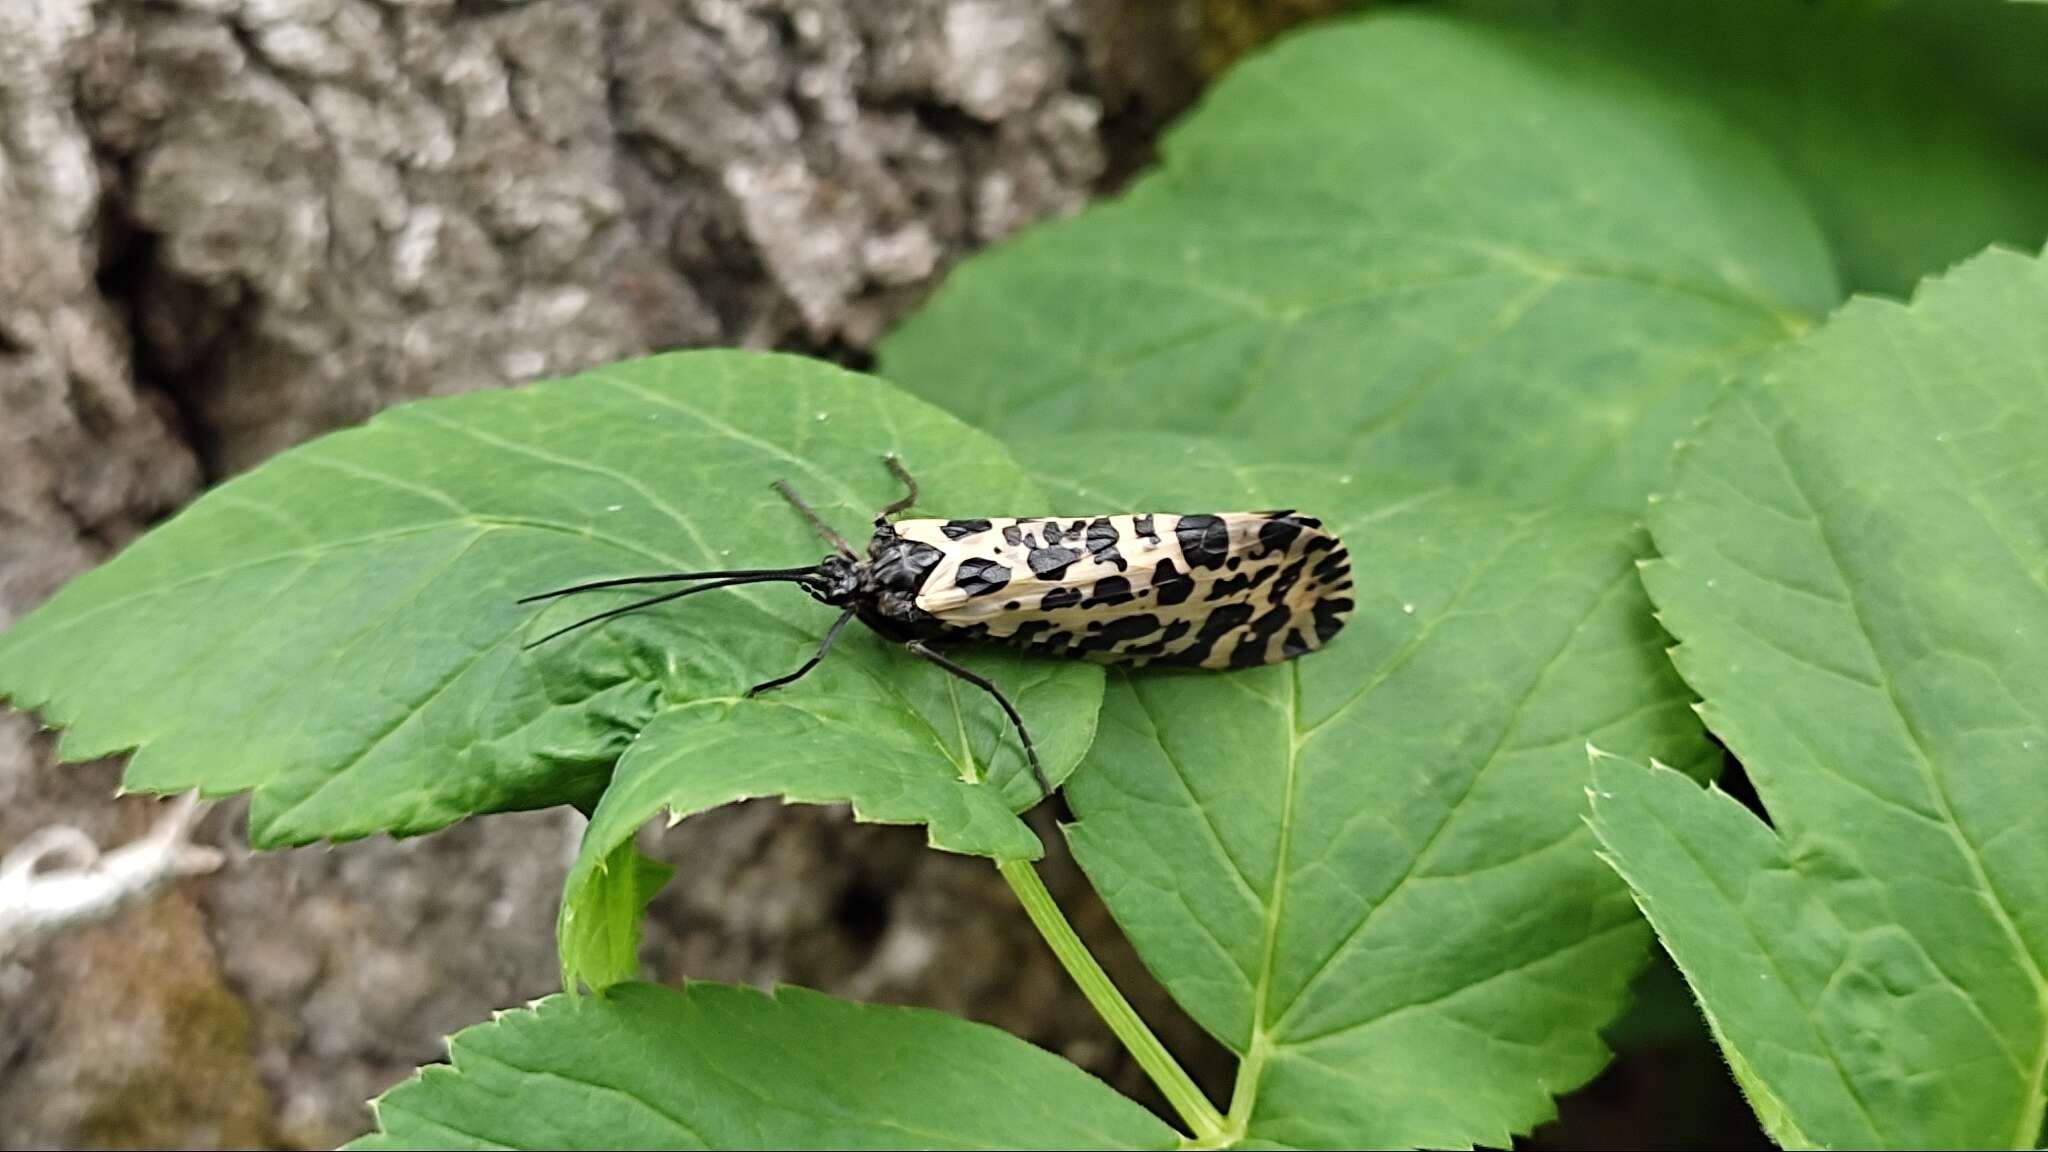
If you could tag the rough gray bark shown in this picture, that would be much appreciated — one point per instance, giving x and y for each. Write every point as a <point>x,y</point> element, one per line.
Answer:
<point>227,225</point>
<point>350,203</point>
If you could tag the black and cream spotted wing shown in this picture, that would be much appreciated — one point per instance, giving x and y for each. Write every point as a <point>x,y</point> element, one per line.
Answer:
<point>1225,590</point>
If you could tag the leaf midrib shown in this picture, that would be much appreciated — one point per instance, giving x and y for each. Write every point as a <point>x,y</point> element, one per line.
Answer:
<point>1541,275</point>
<point>1505,256</point>
<point>1244,1094</point>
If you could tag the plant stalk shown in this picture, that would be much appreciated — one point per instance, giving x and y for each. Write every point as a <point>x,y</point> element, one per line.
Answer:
<point>1204,1122</point>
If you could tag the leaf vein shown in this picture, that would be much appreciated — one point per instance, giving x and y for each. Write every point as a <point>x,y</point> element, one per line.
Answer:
<point>1537,680</point>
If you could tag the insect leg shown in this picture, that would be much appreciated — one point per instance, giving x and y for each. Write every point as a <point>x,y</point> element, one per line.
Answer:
<point>835,539</point>
<point>831,634</point>
<point>908,498</point>
<point>919,648</point>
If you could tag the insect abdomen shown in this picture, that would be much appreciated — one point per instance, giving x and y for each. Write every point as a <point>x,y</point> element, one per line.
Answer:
<point>1233,589</point>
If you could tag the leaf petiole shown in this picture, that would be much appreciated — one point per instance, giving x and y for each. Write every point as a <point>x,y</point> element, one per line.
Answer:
<point>1203,1121</point>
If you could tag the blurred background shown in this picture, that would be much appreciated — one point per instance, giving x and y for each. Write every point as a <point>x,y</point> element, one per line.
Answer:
<point>229,225</point>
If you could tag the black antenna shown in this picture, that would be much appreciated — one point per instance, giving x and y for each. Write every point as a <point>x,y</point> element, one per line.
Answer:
<point>669,577</point>
<point>786,576</point>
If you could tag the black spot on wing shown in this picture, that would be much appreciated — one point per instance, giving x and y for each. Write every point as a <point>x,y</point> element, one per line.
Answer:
<point>1253,648</point>
<point>1166,639</point>
<point>961,529</point>
<point>1239,585</point>
<point>1288,513</point>
<point>1294,645</point>
<point>1055,644</point>
<point>1022,637</point>
<point>1329,616</point>
<point>1224,620</point>
<point>1013,535</point>
<point>1059,598</point>
<point>1110,591</point>
<point>1119,633</point>
<point>1279,531</point>
<point>1333,567</point>
<point>1288,578</point>
<point>979,576</point>
<point>1052,562</point>
<point>1173,585</point>
<point>1102,542</point>
<point>1229,589</point>
<point>1142,525</point>
<point>1050,534</point>
<point>1204,540</point>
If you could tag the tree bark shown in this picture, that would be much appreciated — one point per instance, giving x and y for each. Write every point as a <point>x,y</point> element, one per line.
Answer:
<point>229,225</point>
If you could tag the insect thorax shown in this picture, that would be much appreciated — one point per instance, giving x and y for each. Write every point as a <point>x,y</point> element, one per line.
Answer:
<point>882,588</point>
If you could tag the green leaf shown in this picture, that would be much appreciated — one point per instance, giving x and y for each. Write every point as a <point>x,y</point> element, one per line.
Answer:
<point>1367,870</point>
<point>606,943</point>
<point>1651,824</point>
<point>1892,116</point>
<point>721,1067</point>
<point>1403,243</point>
<point>337,631</point>
<point>1855,561</point>
<point>853,736</point>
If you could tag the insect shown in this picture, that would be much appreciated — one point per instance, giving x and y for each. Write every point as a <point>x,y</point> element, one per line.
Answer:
<point>1223,590</point>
